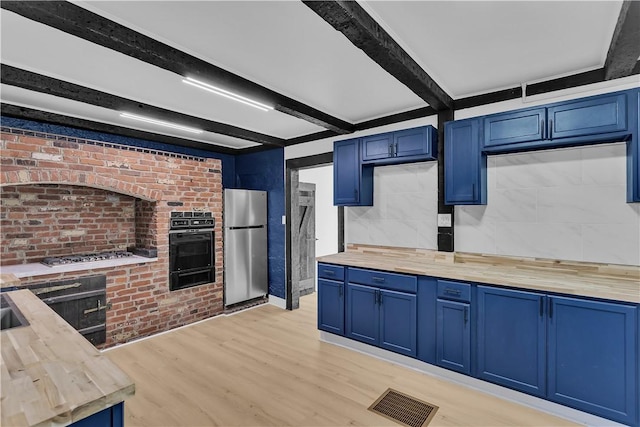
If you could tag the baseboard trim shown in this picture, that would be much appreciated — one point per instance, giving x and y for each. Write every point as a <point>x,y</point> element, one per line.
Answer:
<point>278,302</point>
<point>470,382</point>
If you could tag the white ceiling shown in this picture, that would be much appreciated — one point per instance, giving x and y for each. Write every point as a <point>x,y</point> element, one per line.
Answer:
<point>467,47</point>
<point>474,47</point>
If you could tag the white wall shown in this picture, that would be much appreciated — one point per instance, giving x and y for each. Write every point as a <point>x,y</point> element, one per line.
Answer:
<point>326,214</point>
<point>404,211</point>
<point>563,204</point>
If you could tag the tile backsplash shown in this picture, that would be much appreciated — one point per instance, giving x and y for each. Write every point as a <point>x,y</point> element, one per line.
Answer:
<point>565,204</point>
<point>405,209</point>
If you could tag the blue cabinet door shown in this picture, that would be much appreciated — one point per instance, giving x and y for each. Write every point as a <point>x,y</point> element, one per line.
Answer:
<point>415,142</point>
<point>352,183</point>
<point>331,306</point>
<point>346,172</point>
<point>398,322</point>
<point>376,147</point>
<point>512,339</point>
<point>593,357</point>
<point>516,127</point>
<point>110,417</point>
<point>454,336</point>
<point>597,115</point>
<point>363,318</point>
<point>464,164</point>
<point>633,149</point>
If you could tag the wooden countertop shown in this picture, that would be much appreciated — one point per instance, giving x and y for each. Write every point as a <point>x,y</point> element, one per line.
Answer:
<point>8,280</point>
<point>607,281</point>
<point>50,375</point>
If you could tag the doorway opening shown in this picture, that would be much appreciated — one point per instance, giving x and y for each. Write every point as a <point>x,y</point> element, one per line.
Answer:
<point>314,226</point>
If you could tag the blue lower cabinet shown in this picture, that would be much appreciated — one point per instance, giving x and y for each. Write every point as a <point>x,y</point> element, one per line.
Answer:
<point>363,317</point>
<point>398,322</point>
<point>454,336</point>
<point>512,339</point>
<point>331,306</point>
<point>382,318</point>
<point>593,357</point>
<point>110,417</point>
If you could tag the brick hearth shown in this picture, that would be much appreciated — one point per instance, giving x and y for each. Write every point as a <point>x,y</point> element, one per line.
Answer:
<point>62,197</point>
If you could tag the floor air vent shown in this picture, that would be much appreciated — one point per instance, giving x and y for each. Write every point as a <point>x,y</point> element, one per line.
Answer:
<point>404,409</point>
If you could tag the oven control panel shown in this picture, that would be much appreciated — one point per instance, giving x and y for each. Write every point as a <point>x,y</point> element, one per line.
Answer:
<point>191,219</point>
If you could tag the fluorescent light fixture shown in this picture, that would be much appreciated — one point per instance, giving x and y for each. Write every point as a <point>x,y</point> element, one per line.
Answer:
<point>159,122</point>
<point>226,94</point>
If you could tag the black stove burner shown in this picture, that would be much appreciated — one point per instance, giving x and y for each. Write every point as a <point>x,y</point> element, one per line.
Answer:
<point>73,259</point>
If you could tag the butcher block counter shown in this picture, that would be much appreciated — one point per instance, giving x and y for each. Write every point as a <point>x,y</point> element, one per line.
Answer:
<point>606,281</point>
<point>50,374</point>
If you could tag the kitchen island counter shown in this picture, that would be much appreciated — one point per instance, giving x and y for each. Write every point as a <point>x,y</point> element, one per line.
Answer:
<point>50,374</point>
<point>606,281</point>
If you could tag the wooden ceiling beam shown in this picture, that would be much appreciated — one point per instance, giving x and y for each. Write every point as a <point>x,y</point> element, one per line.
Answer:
<point>90,26</point>
<point>624,49</point>
<point>18,77</point>
<point>365,33</point>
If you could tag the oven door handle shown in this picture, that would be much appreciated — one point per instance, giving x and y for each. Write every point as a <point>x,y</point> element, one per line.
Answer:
<point>191,231</point>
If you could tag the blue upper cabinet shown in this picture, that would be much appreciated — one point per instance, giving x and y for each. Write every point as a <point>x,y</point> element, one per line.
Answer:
<point>352,183</point>
<point>597,119</point>
<point>464,164</point>
<point>593,357</point>
<point>418,143</point>
<point>408,145</point>
<point>601,117</point>
<point>515,127</point>
<point>594,116</point>
<point>376,147</point>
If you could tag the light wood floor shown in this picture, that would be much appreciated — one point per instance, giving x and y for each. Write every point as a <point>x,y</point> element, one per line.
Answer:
<point>267,367</point>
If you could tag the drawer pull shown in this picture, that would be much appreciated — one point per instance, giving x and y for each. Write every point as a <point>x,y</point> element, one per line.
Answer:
<point>378,279</point>
<point>450,291</point>
<point>329,272</point>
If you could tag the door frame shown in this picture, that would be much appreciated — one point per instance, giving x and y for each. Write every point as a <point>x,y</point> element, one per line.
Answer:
<point>291,165</point>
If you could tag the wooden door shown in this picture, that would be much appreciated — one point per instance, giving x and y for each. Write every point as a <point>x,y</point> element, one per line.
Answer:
<point>304,237</point>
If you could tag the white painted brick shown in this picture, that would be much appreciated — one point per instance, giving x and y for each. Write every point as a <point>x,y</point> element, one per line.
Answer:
<point>73,233</point>
<point>46,156</point>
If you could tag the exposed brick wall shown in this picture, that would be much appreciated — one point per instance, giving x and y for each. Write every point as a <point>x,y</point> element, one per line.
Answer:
<point>157,184</point>
<point>144,219</point>
<point>43,220</point>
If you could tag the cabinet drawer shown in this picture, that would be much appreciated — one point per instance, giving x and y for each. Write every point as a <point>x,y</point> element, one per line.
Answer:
<point>393,281</point>
<point>328,271</point>
<point>458,291</point>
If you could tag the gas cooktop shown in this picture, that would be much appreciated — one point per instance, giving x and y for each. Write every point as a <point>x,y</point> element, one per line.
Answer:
<point>73,259</point>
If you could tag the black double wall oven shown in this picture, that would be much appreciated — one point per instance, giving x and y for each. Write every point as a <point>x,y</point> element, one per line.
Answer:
<point>191,249</point>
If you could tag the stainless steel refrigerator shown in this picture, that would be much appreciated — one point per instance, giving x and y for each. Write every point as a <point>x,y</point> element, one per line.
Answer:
<point>245,245</point>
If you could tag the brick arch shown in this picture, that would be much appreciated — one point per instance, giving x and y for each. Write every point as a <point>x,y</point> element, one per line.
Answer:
<point>70,177</point>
